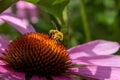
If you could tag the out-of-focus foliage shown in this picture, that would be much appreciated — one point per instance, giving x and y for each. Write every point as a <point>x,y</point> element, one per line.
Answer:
<point>103,19</point>
<point>4,4</point>
<point>54,7</point>
<point>32,1</point>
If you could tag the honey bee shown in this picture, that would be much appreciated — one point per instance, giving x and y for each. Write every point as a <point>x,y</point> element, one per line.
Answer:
<point>56,35</point>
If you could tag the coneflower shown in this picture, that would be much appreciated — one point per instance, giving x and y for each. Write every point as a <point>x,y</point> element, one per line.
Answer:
<point>36,56</point>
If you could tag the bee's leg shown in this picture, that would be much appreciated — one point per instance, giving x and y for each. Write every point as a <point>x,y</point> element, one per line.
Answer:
<point>58,41</point>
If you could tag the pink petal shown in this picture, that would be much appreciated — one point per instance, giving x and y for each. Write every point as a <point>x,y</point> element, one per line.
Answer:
<point>3,43</point>
<point>2,63</point>
<point>21,9</point>
<point>99,73</point>
<point>24,8</point>
<point>38,78</point>
<point>6,74</point>
<point>97,47</point>
<point>107,60</point>
<point>16,22</point>
<point>33,12</point>
<point>2,70</point>
<point>64,78</point>
<point>8,10</point>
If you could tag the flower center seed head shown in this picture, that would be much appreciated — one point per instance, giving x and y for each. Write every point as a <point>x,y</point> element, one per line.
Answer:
<point>37,54</point>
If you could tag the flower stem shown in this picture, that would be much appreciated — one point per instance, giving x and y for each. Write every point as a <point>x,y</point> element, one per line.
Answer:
<point>85,22</point>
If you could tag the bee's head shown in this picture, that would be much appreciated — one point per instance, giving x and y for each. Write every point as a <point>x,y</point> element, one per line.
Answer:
<point>52,33</point>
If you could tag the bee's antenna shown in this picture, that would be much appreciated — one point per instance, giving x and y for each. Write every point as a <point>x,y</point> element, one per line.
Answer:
<point>53,23</point>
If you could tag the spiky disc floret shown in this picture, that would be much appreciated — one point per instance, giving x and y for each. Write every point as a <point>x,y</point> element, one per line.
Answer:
<point>37,54</point>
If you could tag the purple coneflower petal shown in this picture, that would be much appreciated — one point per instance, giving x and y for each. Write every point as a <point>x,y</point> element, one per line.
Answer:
<point>3,44</point>
<point>26,9</point>
<point>97,47</point>
<point>16,22</point>
<point>21,11</point>
<point>2,63</point>
<point>6,74</point>
<point>103,60</point>
<point>99,72</point>
<point>9,10</point>
<point>64,78</point>
<point>33,12</point>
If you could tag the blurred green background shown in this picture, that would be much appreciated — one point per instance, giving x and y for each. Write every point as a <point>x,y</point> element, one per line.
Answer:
<point>84,20</point>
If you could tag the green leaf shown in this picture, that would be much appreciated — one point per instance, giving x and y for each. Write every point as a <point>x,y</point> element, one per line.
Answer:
<point>4,4</point>
<point>54,7</point>
<point>58,1</point>
<point>32,1</point>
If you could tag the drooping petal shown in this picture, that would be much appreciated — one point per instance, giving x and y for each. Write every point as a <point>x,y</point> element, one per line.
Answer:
<point>2,63</point>
<point>24,8</point>
<point>16,22</point>
<point>21,9</point>
<point>8,10</point>
<point>97,47</point>
<point>99,73</point>
<point>64,78</point>
<point>103,60</point>
<point>6,74</point>
<point>75,71</point>
<point>3,43</point>
<point>38,78</point>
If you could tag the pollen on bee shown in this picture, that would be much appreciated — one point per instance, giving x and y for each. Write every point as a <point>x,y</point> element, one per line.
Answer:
<point>56,35</point>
